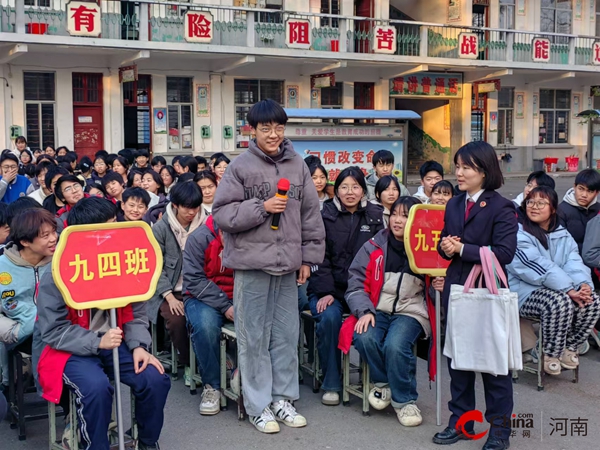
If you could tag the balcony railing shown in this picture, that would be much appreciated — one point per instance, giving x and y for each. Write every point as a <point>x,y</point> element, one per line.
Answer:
<point>162,21</point>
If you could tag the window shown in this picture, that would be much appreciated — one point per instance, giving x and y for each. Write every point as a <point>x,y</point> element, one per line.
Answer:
<point>506,98</point>
<point>246,94</point>
<point>507,14</point>
<point>39,108</point>
<point>40,3</point>
<point>331,97</point>
<point>330,7</point>
<point>180,109</point>
<point>87,88</point>
<point>555,110</point>
<point>270,17</point>
<point>556,17</point>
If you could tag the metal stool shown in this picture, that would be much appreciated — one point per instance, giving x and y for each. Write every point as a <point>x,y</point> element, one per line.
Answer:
<point>228,335</point>
<point>169,363</point>
<point>360,390</point>
<point>308,355</point>
<point>195,379</point>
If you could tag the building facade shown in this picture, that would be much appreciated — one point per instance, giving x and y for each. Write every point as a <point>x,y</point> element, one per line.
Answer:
<point>179,77</point>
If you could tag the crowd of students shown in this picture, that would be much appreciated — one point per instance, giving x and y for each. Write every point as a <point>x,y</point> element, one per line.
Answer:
<point>339,250</point>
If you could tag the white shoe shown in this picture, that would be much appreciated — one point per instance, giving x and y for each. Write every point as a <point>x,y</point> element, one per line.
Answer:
<point>409,415</point>
<point>210,402</point>
<point>265,423</point>
<point>285,412</point>
<point>331,398</point>
<point>380,397</point>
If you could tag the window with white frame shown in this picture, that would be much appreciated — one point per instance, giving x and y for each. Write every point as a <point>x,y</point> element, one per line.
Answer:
<point>40,97</point>
<point>556,16</point>
<point>507,14</point>
<point>555,111</point>
<point>506,98</point>
<point>180,108</point>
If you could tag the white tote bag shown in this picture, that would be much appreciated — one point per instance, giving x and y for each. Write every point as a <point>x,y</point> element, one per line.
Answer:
<point>482,333</point>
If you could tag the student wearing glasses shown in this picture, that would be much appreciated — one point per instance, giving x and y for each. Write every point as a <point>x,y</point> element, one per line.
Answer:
<point>69,190</point>
<point>12,185</point>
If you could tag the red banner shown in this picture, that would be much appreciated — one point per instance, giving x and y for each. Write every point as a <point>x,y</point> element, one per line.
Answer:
<point>421,239</point>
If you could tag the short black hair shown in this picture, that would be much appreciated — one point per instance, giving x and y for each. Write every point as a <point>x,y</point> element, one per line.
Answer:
<point>176,159</point>
<point>122,161</point>
<point>20,204</point>
<point>41,166</point>
<point>9,156</point>
<point>20,138</point>
<point>86,164</point>
<point>131,177</point>
<point>189,162</point>
<point>101,153</point>
<point>383,157</point>
<point>63,147</point>
<point>142,152</point>
<point>313,168</point>
<point>187,195</point>
<point>27,225</point>
<point>65,165</point>
<point>206,175</point>
<point>444,187</point>
<point>127,153</point>
<point>201,160</point>
<point>312,160</point>
<point>352,172</point>
<point>88,188</point>
<point>157,179</point>
<point>220,159</point>
<point>91,210</point>
<point>535,229</point>
<point>185,177</point>
<point>482,157</point>
<point>111,158</point>
<point>589,178</point>
<point>65,179</point>
<point>136,193</point>
<point>3,214</point>
<point>405,202</point>
<point>102,158</point>
<point>70,157</point>
<point>383,183</point>
<point>111,176</point>
<point>266,111</point>
<point>431,166</point>
<point>170,170</point>
<point>216,155</point>
<point>45,157</point>
<point>158,160</point>
<point>542,179</point>
<point>53,171</point>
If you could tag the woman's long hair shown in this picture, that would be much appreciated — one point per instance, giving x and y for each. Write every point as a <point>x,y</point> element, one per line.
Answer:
<point>533,228</point>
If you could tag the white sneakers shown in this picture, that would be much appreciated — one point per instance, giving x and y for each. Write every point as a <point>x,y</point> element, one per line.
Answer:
<point>282,411</point>
<point>210,402</point>
<point>265,423</point>
<point>409,415</point>
<point>380,397</point>
<point>331,398</point>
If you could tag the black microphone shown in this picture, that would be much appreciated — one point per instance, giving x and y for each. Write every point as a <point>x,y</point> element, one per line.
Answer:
<point>283,186</point>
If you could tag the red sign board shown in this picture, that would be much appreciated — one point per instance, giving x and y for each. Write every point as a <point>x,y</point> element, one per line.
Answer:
<point>421,238</point>
<point>107,265</point>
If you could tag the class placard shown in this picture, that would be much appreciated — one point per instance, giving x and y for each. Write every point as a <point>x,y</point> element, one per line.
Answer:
<point>421,238</point>
<point>107,265</point>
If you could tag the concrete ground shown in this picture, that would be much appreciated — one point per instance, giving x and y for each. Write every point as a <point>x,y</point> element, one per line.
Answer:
<point>561,403</point>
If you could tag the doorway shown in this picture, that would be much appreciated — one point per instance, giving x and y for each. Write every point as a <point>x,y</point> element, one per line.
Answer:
<point>88,127</point>
<point>363,8</point>
<point>137,100</point>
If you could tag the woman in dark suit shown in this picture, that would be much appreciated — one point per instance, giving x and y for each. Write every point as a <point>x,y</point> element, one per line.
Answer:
<point>478,217</point>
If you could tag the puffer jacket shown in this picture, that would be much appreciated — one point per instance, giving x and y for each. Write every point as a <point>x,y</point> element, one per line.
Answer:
<point>238,210</point>
<point>559,267</point>
<point>345,235</point>
<point>575,218</point>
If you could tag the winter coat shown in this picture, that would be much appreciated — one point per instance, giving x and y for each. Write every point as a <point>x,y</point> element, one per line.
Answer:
<point>345,235</point>
<point>559,268</point>
<point>575,218</point>
<point>19,187</point>
<point>238,210</point>
<point>372,180</point>
<point>204,276</point>
<point>420,194</point>
<point>153,214</point>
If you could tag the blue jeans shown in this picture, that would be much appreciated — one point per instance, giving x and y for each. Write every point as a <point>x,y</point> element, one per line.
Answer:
<point>329,323</point>
<point>388,349</point>
<point>204,323</point>
<point>303,304</point>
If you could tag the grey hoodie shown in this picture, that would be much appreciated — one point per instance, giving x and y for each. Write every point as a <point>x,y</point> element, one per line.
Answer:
<point>372,180</point>
<point>238,210</point>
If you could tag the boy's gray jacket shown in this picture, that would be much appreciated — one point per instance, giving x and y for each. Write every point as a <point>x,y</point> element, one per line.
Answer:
<point>238,209</point>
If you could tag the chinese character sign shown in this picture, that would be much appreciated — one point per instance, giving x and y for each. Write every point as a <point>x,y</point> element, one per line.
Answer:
<point>384,39</point>
<point>83,19</point>
<point>541,50</point>
<point>468,45</point>
<point>198,26</point>
<point>428,84</point>
<point>298,33</point>
<point>107,265</point>
<point>421,239</point>
<point>596,53</point>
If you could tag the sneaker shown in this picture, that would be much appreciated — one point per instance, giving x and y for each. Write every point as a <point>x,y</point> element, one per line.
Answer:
<point>265,423</point>
<point>380,397</point>
<point>331,398</point>
<point>285,412</point>
<point>187,376</point>
<point>569,359</point>
<point>531,356</point>
<point>66,437</point>
<point>409,415</point>
<point>210,402</point>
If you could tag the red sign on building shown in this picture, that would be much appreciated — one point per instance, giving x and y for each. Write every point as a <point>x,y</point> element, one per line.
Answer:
<point>541,50</point>
<point>421,238</point>
<point>198,26</point>
<point>596,53</point>
<point>298,33</point>
<point>84,19</point>
<point>107,265</point>
<point>468,45</point>
<point>384,39</point>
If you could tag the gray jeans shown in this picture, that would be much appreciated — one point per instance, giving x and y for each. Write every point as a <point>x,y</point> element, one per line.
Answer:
<point>267,327</point>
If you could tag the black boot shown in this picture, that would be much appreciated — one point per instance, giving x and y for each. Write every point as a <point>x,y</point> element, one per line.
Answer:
<point>448,436</point>
<point>496,443</point>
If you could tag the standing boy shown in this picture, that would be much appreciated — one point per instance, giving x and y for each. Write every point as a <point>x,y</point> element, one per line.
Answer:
<point>268,263</point>
<point>383,164</point>
<point>431,172</point>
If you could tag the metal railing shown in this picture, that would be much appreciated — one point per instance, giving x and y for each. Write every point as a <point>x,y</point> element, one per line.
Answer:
<point>163,21</point>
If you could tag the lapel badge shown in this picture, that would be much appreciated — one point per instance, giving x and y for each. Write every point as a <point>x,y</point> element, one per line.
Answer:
<point>482,204</point>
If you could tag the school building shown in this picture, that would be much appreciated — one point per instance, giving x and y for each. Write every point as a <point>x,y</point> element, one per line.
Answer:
<point>177,77</point>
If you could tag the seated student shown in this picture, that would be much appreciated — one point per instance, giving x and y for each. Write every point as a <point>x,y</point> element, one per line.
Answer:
<point>213,159</point>
<point>176,165</point>
<point>96,190</point>
<point>42,192</point>
<point>383,164</point>
<point>387,191</point>
<point>182,216</point>
<point>535,179</point>
<point>12,185</point>
<point>350,221</point>
<point>208,288</point>
<point>207,182</point>
<point>79,348</point>
<point>220,166</point>
<point>52,203</point>
<point>69,189</point>
<point>101,168</point>
<point>169,177</point>
<point>134,205</point>
<point>157,163</point>
<point>71,159</point>
<point>142,157</point>
<point>134,179</point>
<point>153,184</point>
<point>62,151</point>
<point>441,193</point>
<point>85,167</point>
<point>319,177</point>
<point>554,285</point>
<point>389,315</point>
<point>202,163</point>
<point>113,184</point>
<point>189,164</point>
<point>121,167</point>
<point>431,172</point>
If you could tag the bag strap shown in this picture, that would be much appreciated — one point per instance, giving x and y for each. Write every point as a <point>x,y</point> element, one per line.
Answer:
<point>470,283</point>
<point>485,254</point>
<point>498,272</point>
